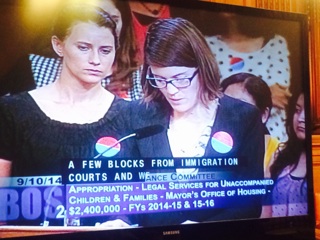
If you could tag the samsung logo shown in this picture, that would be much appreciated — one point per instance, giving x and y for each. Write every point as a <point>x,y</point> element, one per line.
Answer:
<point>173,232</point>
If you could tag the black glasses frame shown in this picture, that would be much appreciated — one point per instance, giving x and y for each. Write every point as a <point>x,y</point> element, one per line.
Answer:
<point>172,80</point>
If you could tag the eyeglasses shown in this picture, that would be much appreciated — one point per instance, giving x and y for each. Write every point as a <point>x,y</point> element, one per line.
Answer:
<point>162,83</point>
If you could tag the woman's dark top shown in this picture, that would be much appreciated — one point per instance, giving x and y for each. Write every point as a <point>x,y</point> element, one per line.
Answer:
<point>243,122</point>
<point>37,145</point>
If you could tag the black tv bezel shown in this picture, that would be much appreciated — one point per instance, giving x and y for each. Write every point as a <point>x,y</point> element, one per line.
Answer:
<point>297,227</point>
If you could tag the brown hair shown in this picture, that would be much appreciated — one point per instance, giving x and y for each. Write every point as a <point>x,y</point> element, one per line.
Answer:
<point>125,63</point>
<point>177,42</point>
<point>73,13</point>
<point>255,86</point>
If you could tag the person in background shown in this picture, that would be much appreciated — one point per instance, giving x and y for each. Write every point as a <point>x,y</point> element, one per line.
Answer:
<point>289,194</point>
<point>44,67</point>
<point>143,15</point>
<point>126,79</point>
<point>42,128</point>
<point>252,89</point>
<point>181,85</point>
<point>244,45</point>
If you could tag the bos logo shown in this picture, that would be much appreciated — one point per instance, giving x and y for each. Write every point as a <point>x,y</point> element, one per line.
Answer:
<point>32,203</point>
<point>108,146</point>
<point>222,142</point>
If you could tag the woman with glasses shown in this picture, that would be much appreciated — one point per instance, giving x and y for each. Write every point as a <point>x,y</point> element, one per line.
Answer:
<point>181,84</point>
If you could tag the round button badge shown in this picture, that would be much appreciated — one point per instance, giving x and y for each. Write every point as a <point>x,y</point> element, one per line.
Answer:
<point>222,142</point>
<point>236,63</point>
<point>106,146</point>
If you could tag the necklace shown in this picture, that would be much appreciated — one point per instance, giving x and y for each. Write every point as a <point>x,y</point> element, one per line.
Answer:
<point>152,11</point>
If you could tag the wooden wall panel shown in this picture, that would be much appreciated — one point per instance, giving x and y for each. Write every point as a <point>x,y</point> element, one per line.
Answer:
<point>281,5</point>
<point>316,162</point>
<point>248,3</point>
<point>314,16</point>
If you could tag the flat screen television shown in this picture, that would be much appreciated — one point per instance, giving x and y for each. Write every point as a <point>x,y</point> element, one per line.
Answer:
<point>31,205</point>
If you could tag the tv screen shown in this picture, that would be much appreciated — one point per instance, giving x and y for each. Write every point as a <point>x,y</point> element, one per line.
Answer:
<point>189,123</point>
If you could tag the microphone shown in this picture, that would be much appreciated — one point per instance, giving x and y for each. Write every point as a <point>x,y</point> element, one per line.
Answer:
<point>138,134</point>
<point>148,131</point>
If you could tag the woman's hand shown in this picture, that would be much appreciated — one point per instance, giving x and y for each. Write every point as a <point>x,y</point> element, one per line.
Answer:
<point>5,168</point>
<point>5,171</point>
<point>280,95</point>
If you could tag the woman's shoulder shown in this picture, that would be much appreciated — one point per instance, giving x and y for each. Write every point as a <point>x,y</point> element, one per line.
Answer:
<point>214,42</point>
<point>230,104</point>
<point>147,107</point>
<point>119,106</point>
<point>141,111</point>
<point>235,111</point>
<point>280,38</point>
<point>276,42</point>
<point>15,101</point>
<point>18,108</point>
<point>120,102</point>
